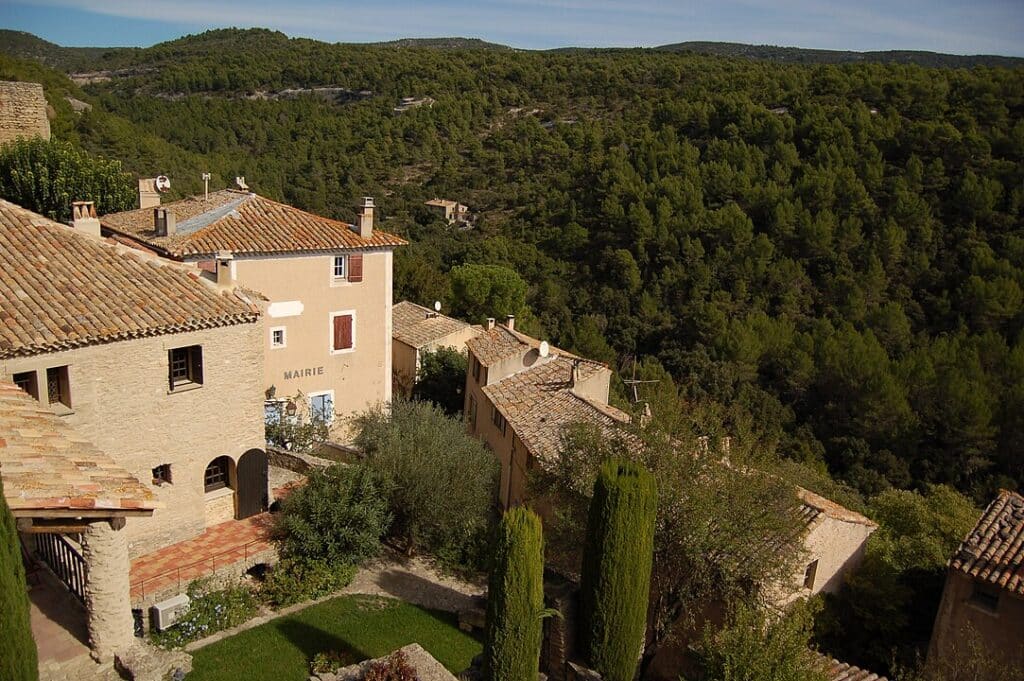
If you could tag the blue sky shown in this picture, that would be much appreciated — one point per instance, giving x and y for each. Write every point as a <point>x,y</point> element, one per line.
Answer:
<point>956,26</point>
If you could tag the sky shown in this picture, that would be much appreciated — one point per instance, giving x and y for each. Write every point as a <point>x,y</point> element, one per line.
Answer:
<point>953,26</point>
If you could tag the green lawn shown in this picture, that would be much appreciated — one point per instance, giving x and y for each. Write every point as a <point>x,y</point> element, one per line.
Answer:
<point>366,626</point>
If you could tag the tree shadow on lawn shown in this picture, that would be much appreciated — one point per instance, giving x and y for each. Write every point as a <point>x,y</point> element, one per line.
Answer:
<point>412,588</point>
<point>311,640</point>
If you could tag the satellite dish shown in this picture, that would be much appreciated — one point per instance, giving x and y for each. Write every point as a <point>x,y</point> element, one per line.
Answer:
<point>162,183</point>
<point>544,349</point>
<point>437,306</point>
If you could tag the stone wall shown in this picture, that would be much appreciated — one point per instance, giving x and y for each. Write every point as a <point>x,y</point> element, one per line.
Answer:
<point>22,111</point>
<point>120,401</point>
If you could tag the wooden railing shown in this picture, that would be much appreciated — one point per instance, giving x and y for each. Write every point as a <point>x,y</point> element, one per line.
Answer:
<point>65,562</point>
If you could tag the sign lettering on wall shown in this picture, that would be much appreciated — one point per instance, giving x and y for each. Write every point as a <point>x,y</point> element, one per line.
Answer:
<point>300,373</point>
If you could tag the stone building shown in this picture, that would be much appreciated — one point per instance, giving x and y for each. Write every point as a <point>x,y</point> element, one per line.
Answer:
<point>328,286</point>
<point>23,111</point>
<point>58,483</point>
<point>450,211</point>
<point>415,330</point>
<point>159,368</point>
<point>983,600</point>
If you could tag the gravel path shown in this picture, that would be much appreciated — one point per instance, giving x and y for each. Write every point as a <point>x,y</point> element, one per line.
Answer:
<point>415,580</point>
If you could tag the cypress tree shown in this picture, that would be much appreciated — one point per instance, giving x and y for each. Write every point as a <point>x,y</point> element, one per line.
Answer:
<point>17,647</point>
<point>515,599</point>
<point>617,569</point>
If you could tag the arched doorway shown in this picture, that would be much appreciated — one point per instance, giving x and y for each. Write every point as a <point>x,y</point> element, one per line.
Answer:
<point>252,484</point>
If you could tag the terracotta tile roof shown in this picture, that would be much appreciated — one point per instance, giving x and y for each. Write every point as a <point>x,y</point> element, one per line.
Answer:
<point>500,343</point>
<point>46,465</point>
<point>840,671</point>
<point>539,403</point>
<point>417,326</point>
<point>826,507</point>
<point>994,550</point>
<point>60,289</point>
<point>242,222</point>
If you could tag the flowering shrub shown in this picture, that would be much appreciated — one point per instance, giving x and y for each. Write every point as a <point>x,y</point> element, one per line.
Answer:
<point>210,610</point>
<point>331,661</point>
<point>293,580</point>
<point>395,667</point>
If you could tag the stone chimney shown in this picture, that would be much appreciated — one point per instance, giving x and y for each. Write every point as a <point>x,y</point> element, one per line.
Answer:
<point>149,197</point>
<point>510,322</point>
<point>490,323</point>
<point>83,218</point>
<point>164,222</point>
<point>240,183</point>
<point>364,218</point>
<point>223,261</point>
<point>574,374</point>
<point>644,417</point>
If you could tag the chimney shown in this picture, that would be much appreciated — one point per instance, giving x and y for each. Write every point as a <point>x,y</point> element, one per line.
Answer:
<point>364,218</point>
<point>164,222</point>
<point>574,375</point>
<point>510,322</point>
<point>240,183</point>
<point>149,197</point>
<point>83,218</point>
<point>223,260</point>
<point>490,323</point>
<point>644,417</point>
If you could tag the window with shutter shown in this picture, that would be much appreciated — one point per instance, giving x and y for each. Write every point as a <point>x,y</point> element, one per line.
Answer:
<point>185,366</point>
<point>355,267</point>
<point>343,326</point>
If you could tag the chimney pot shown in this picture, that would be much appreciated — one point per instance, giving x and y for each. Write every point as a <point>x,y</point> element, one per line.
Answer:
<point>149,197</point>
<point>240,183</point>
<point>490,323</point>
<point>223,260</point>
<point>364,217</point>
<point>165,223</point>
<point>83,218</point>
<point>574,374</point>
<point>510,322</point>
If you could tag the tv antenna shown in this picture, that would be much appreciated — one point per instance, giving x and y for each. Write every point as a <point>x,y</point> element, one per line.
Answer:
<point>206,185</point>
<point>634,382</point>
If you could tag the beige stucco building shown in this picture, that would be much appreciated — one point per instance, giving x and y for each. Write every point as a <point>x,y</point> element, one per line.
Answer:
<point>327,285</point>
<point>451,211</point>
<point>983,601</point>
<point>416,330</point>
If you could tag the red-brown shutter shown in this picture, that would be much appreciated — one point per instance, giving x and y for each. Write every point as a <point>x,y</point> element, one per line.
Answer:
<point>343,332</point>
<point>355,267</point>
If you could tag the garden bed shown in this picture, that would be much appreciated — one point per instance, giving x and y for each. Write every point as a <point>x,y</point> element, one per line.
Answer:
<point>360,626</point>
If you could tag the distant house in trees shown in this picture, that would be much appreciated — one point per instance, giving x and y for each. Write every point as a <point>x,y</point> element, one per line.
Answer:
<point>984,594</point>
<point>415,330</point>
<point>451,211</point>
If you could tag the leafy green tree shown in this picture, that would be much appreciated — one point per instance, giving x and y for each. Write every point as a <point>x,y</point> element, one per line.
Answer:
<point>17,647</point>
<point>616,580</point>
<point>442,379</point>
<point>757,646</point>
<point>482,291</point>
<point>338,516</point>
<point>515,601</point>
<point>444,507</point>
<point>47,176</point>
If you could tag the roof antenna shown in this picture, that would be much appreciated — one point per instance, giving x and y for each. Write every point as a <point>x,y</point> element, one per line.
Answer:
<point>633,383</point>
<point>206,186</point>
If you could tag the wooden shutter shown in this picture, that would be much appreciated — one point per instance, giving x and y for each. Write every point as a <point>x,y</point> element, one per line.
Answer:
<point>343,332</point>
<point>196,358</point>
<point>355,267</point>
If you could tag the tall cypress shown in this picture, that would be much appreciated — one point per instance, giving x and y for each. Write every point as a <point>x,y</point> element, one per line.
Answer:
<point>515,599</point>
<point>17,647</point>
<point>617,561</point>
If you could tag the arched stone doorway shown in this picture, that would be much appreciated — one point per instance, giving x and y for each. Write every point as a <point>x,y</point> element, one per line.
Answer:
<point>252,484</point>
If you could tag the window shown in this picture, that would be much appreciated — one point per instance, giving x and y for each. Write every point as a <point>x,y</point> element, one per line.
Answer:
<point>985,598</point>
<point>343,331</point>
<point>218,474</point>
<point>809,573</point>
<point>27,382</point>
<point>57,389</point>
<point>162,474</point>
<point>498,420</point>
<point>321,407</point>
<point>477,369</point>
<point>185,366</point>
<point>347,268</point>
<point>278,338</point>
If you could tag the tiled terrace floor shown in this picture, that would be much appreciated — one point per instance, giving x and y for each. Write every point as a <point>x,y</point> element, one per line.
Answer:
<point>218,547</point>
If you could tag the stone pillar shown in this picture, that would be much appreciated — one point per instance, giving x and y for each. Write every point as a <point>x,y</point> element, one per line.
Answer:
<point>107,596</point>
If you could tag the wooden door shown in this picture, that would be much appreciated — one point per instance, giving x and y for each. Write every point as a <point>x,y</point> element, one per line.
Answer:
<point>252,483</point>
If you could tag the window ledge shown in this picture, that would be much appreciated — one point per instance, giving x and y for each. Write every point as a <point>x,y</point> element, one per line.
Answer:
<point>340,281</point>
<point>343,352</point>
<point>61,409</point>
<point>184,388</point>
<point>218,494</point>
